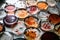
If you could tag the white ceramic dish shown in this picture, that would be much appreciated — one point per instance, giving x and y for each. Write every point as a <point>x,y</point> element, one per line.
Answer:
<point>18,29</point>
<point>31,2</point>
<point>51,2</point>
<point>20,4</point>
<point>11,1</point>
<point>53,10</point>
<point>46,26</point>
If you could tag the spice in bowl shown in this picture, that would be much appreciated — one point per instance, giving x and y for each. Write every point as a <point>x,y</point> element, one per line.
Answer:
<point>42,5</point>
<point>22,13</point>
<point>31,33</point>
<point>10,8</point>
<point>33,10</point>
<point>31,22</point>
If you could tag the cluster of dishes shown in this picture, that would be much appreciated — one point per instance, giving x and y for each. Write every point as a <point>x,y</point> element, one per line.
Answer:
<point>36,16</point>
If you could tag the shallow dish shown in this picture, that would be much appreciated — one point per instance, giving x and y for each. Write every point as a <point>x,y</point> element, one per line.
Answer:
<point>57,29</point>
<point>2,29</point>
<point>33,10</point>
<point>22,13</point>
<point>31,2</point>
<point>20,4</point>
<point>32,33</point>
<point>19,28</point>
<point>53,10</point>
<point>49,36</point>
<point>46,26</point>
<point>11,2</point>
<point>10,8</point>
<point>54,18</point>
<point>10,21</point>
<point>51,3</point>
<point>42,5</point>
<point>31,21</point>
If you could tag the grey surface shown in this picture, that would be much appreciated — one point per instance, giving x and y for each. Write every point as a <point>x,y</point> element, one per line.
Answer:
<point>6,36</point>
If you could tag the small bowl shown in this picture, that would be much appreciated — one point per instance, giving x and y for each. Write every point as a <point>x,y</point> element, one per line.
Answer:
<point>2,29</point>
<point>57,29</point>
<point>49,36</point>
<point>53,10</point>
<point>33,31</point>
<point>54,18</point>
<point>43,14</point>
<point>46,26</point>
<point>51,3</point>
<point>41,6</point>
<point>30,23</point>
<point>21,13</point>
<point>20,4</point>
<point>32,2</point>
<point>33,10</point>
<point>10,8</point>
<point>10,21</point>
<point>11,2</point>
<point>19,28</point>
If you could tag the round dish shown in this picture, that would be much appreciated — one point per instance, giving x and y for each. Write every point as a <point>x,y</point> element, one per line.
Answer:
<point>57,29</point>
<point>46,26</point>
<point>33,9</point>
<point>11,1</point>
<point>2,29</point>
<point>51,2</point>
<point>31,21</point>
<point>53,10</point>
<point>10,21</point>
<point>32,2</point>
<point>10,8</point>
<point>2,14</point>
<point>22,13</point>
<point>54,18</point>
<point>49,36</point>
<point>42,15</point>
<point>42,5</point>
<point>32,33</point>
<point>20,4</point>
<point>19,28</point>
